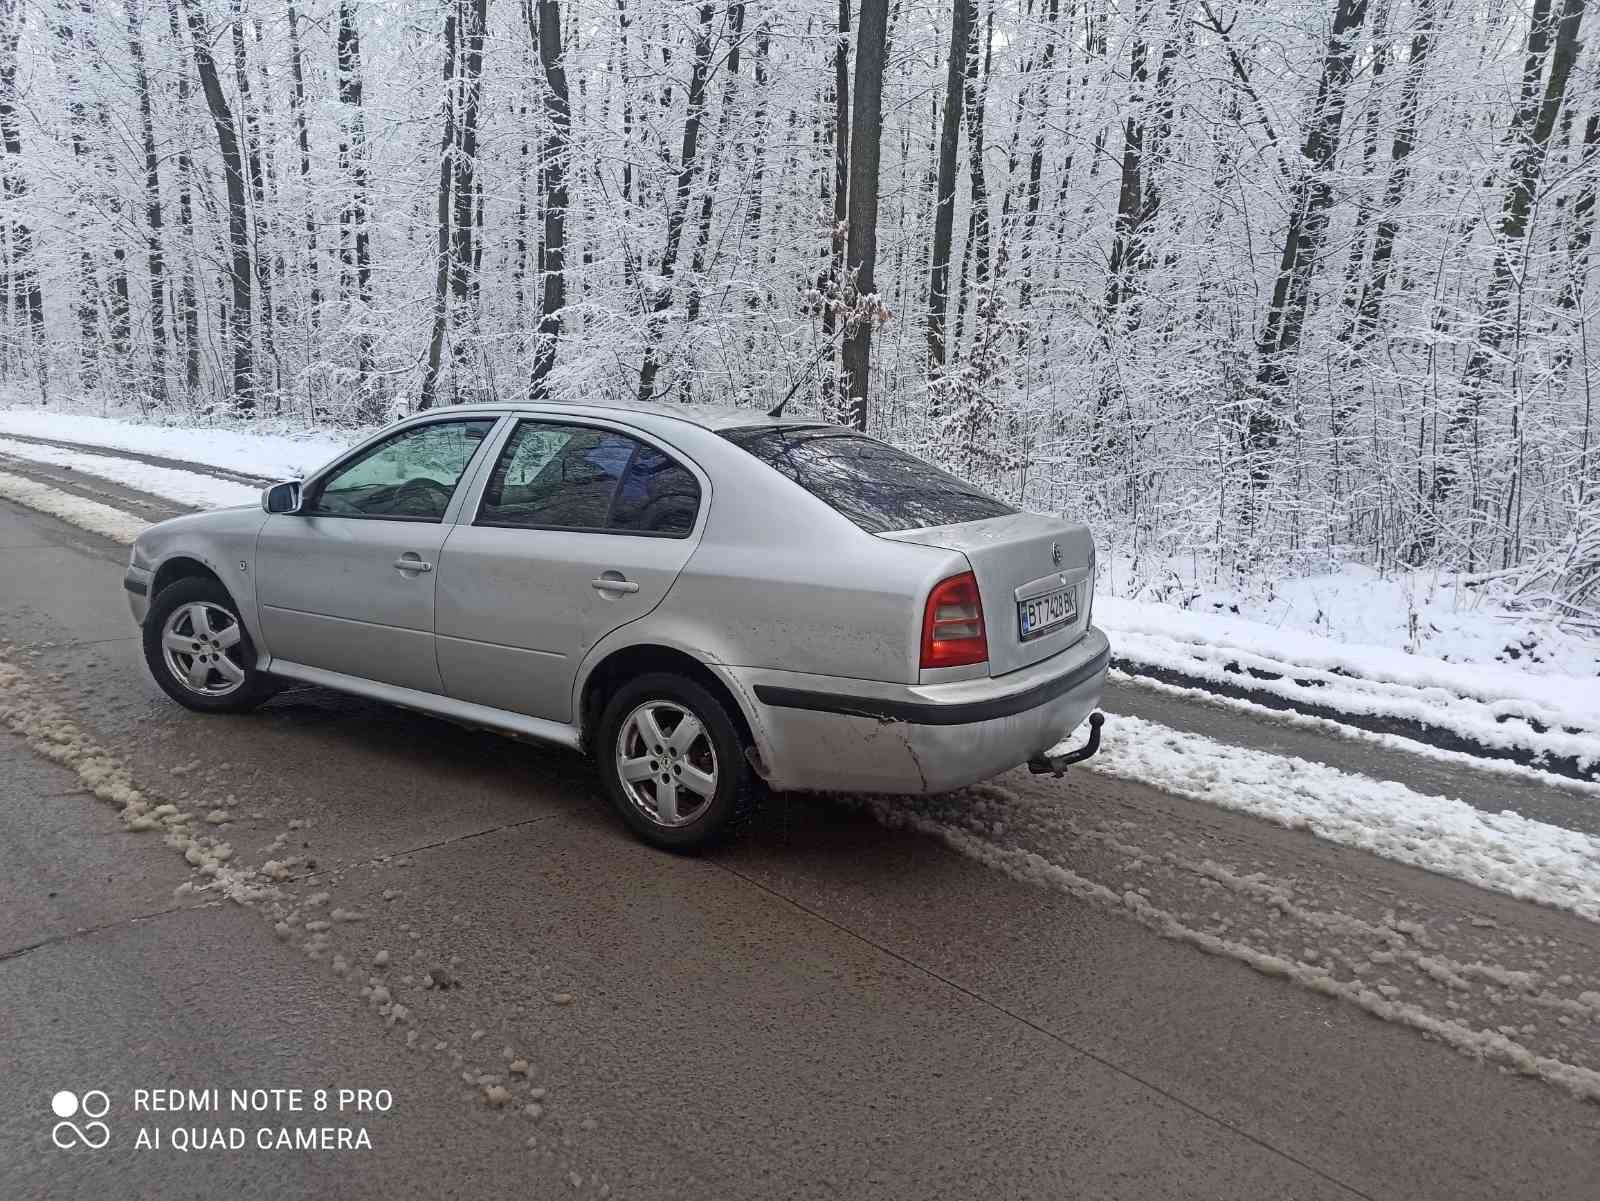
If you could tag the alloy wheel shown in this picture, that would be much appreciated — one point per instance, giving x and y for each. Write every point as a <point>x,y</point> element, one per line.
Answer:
<point>200,644</point>
<point>666,763</point>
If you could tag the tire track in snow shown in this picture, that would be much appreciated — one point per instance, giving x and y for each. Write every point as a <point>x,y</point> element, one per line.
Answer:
<point>1519,990</point>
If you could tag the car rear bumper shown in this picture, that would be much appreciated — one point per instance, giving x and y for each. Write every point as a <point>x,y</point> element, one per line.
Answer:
<point>839,735</point>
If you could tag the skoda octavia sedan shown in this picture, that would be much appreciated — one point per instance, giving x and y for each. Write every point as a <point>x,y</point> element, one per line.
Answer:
<point>708,601</point>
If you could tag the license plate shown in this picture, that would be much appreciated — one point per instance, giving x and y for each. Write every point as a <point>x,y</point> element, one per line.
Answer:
<point>1042,614</point>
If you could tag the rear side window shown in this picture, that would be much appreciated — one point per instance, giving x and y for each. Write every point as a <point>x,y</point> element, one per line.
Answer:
<point>573,477</point>
<point>657,495</point>
<point>870,482</point>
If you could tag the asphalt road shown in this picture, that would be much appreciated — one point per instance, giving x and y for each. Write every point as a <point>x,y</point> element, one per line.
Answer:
<point>836,1006</point>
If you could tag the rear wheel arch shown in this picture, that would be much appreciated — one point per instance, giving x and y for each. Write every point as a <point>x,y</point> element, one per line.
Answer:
<point>630,662</point>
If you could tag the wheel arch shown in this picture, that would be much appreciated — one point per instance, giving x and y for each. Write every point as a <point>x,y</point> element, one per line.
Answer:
<point>600,680</point>
<point>184,567</point>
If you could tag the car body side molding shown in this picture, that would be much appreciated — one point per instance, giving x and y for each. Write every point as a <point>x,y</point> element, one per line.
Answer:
<point>931,713</point>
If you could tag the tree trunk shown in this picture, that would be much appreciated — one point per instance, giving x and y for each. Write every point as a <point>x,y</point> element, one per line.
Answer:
<point>1382,53</point>
<point>244,392</point>
<point>1030,215</point>
<point>1580,231</point>
<point>297,102</point>
<point>119,313</point>
<point>1405,140</point>
<point>1311,196</point>
<point>945,203</point>
<point>833,282</point>
<point>258,194</point>
<point>355,216</point>
<point>1531,127</point>
<point>661,291</point>
<point>719,154</point>
<point>862,250</point>
<point>152,208</point>
<point>1130,195</point>
<point>21,271</point>
<point>187,303</point>
<point>462,276</point>
<point>441,280</point>
<point>86,309</point>
<point>553,192</point>
<point>975,250</point>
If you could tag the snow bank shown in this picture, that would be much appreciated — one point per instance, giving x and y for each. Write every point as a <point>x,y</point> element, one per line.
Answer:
<point>271,456</point>
<point>185,487</point>
<point>86,514</point>
<point>1504,852</point>
<point>1542,718</point>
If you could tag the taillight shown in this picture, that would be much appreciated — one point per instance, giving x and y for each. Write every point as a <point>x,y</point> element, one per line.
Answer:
<point>952,625</point>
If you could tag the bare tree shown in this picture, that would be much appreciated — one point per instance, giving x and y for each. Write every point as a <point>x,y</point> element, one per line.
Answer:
<point>22,273</point>
<point>244,389</point>
<point>154,260</point>
<point>1528,140</point>
<point>866,129</point>
<point>355,238</point>
<point>945,202</point>
<point>441,285</point>
<point>188,304</point>
<point>553,192</point>
<point>1310,198</point>
<point>659,293</point>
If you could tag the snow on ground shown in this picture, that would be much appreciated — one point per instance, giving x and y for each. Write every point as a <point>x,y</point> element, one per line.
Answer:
<point>1349,733</point>
<point>1549,717</point>
<point>272,455</point>
<point>1503,852</point>
<point>86,514</point>
<point>185,487</point>
<point>1427,613</point>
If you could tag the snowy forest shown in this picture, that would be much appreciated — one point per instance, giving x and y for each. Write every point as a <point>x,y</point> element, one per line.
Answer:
<point>1268,285</point>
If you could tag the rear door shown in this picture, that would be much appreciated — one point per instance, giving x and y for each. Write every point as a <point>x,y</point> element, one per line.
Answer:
<point>347,583</point>
<point>580,528</point>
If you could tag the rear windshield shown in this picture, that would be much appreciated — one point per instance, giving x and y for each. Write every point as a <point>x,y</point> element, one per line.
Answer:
<point>870,482</point>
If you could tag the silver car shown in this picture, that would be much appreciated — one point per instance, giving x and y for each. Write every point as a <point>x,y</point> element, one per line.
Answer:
<point>709,601</point>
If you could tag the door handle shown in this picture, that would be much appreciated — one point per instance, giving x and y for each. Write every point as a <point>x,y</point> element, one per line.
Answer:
<point>619,585</point>
<point>412,564</point>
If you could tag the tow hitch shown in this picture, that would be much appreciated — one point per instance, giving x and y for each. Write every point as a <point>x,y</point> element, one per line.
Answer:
<point>1056,765</point>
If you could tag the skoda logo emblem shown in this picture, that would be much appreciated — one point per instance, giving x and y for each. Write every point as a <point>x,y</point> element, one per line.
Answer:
<point>1055,553</point>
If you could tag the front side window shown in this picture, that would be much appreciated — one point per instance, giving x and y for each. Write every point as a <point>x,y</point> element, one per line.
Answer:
<point>875,485</point>
<point>573,477</point>
<point>410,476</point>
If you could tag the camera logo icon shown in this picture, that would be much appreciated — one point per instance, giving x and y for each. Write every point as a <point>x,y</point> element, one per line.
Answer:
<point>93,1105</point>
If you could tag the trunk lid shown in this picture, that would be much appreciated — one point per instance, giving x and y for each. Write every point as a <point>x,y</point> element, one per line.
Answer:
<point>1019,558</point>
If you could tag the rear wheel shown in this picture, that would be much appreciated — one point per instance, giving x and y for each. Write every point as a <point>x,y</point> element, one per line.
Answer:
<point>198,650</point>
<point>673,763</point>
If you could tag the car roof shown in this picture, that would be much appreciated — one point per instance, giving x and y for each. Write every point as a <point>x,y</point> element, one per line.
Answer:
<point>711,417</point>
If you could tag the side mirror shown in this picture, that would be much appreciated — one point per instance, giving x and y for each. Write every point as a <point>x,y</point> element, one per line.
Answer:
<point>282,498</point>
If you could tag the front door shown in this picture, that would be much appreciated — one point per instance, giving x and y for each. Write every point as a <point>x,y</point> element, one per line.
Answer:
<point>347,583</point>
<point>581,529</point>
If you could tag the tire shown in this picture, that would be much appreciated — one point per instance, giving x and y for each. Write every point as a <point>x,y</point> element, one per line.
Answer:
<point>201,669</point>
<point>664,808</point>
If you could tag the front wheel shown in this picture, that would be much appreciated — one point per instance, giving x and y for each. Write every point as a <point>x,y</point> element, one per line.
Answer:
<point>673,763</point>
<point>198,650</point>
